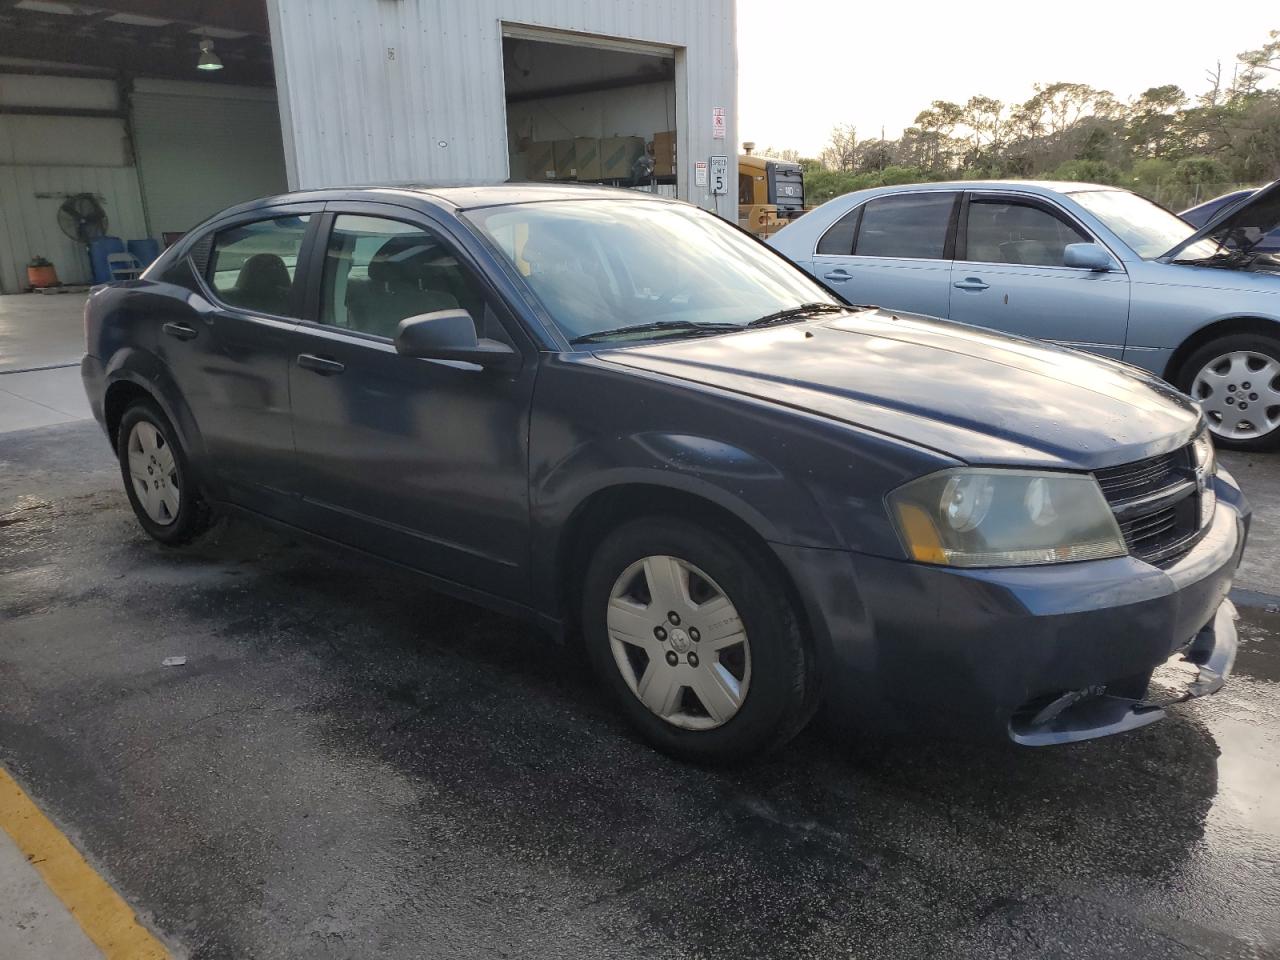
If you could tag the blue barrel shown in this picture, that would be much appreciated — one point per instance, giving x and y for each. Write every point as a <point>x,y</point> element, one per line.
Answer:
<point>99,250</point>
<point>146,250</point>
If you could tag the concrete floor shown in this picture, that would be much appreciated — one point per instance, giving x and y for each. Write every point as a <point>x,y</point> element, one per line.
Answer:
<point>41,342</point>
<point>349,765</point>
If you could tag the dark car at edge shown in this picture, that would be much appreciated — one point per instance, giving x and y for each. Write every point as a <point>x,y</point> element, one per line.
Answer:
<point>629,422</point>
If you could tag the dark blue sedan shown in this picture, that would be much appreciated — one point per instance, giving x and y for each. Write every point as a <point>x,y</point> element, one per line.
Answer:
<point>1202,213</point>
<point>628,421</point>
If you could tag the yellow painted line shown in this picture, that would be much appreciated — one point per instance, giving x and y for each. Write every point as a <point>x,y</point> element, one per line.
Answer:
<point>102,914</point>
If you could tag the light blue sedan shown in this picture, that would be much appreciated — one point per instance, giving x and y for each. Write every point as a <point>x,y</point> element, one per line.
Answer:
<point>1081,265</point>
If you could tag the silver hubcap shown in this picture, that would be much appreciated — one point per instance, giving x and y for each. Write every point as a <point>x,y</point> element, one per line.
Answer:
<point>1240,394</point>
<point>154,473</point>
<point>679,643</point>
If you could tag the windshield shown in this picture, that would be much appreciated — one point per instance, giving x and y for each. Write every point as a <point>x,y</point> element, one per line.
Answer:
<point>619,270</point>
<point>1148,229</point>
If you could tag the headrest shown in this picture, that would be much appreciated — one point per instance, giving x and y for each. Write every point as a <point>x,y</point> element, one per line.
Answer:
<point>400,259</point>
<point>262,273</point>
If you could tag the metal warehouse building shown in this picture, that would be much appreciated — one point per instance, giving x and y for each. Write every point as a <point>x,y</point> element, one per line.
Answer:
<point>138,118</point>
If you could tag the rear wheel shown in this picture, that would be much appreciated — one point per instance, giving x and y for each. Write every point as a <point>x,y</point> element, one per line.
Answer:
<point>1236,381</point>
<point>695,636</point>
<point>157,476</point>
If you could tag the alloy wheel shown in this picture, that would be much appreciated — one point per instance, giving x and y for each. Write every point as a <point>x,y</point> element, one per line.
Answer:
<point>1239,393</point>
<point>679,643</point>
<point>154,473</point>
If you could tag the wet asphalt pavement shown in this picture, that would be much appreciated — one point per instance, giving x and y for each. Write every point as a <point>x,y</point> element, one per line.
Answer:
<point>352,766</point>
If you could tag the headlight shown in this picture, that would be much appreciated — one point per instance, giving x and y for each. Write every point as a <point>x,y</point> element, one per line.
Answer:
<point>1005,518</point>
<point>1206,466</point>
<point>1206,456</point>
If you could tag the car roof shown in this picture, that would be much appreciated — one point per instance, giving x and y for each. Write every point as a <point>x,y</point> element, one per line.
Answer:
<point>454,196</point>
<point>1027,186</point>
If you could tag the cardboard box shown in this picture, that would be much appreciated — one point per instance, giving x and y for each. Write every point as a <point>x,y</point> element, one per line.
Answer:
<point>618,155</point>
<point>566,169</point>
<point>586,158</point>
<point>539,160</point>
<point>664,153</point>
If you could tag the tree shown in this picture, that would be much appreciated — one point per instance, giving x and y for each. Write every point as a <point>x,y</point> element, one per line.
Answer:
<point>841,151</point>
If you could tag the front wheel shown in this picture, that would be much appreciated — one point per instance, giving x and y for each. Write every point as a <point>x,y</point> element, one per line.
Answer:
<point>695,636</point>
<point>1236,381</point>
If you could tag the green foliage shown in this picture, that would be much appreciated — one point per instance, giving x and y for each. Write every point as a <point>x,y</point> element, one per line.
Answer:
<point>1163,144</point>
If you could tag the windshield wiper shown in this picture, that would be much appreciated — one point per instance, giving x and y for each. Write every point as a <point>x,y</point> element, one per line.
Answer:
<point>1223,258</point>
<point>796,313</point>
<point>658,326</point>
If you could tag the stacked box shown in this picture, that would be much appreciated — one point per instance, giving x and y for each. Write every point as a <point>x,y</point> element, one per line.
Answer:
<point>539,160</point>
<point>566,168</point>
<point>664,153</point>
<point>586,158</point>
<point>618,155</point>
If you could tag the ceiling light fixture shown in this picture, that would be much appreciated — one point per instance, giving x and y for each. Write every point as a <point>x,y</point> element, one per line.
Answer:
<point>208,59</point>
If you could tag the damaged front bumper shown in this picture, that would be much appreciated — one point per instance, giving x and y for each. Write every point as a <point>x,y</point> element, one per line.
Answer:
<point>1093,712</point>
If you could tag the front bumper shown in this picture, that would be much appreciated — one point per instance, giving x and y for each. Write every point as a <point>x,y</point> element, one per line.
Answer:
<point>1036,655</point>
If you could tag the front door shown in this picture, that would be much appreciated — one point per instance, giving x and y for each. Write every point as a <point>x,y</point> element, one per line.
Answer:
<point>1009,275</point>
<point>893,252</point>
<point>421,461</point>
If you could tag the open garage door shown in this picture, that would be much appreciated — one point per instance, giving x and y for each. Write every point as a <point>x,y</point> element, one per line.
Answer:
<point>589,109</point>
<point>230,134</point>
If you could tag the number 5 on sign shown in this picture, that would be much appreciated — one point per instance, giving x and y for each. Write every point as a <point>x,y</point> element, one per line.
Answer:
<point>719,175</point>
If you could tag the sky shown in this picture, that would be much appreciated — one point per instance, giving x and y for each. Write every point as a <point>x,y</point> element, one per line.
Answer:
<point>805,67</point>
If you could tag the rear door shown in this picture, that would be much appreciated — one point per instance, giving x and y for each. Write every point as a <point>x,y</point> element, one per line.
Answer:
<point>228,351</point>
<point>893,251</point>
<point>1009,275</point>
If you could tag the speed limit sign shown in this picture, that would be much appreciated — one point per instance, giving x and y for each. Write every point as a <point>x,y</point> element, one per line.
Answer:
<point>719,175</point>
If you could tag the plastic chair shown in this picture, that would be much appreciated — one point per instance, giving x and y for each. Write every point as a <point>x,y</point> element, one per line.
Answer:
<point>123,266</point>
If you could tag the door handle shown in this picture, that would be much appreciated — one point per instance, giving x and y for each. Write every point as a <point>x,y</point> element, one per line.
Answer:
<point>970,283</point>
<point>321,365</point>
<point>838,276</point>
<point>180,330</point>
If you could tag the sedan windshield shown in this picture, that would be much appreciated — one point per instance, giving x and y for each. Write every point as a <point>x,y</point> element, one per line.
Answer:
<point>1148,229</point>
<point>625,270</point>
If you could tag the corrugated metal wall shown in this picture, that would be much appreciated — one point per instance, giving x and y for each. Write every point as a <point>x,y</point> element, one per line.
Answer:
<point>229,134</point>
<point>29,201</point>
<point>44,158</point>
<point>413,90</point>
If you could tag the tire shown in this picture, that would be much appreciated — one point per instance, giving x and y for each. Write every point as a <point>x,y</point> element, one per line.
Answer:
<point>769,672</point>
<point>162,468</point>
<point>1216,374</point>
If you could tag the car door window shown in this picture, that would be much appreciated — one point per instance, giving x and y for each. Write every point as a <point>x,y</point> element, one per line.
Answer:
<point>913,226</point>
<point>378,272</point>
<point>253,265</point>
<point>838,240</point>
<point>1001,231</point>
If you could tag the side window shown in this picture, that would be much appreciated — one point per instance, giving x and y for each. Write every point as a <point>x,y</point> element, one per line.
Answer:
<point>911,225</point>
<point>838,240</point>
<point>253,265</point>
<point>1012,232</point>
<point>377,272</point>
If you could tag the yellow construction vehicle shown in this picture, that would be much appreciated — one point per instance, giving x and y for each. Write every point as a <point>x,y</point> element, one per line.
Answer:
<point>770,192</point>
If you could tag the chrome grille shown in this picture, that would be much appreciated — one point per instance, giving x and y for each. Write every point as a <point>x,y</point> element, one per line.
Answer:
<point>1157,504</point>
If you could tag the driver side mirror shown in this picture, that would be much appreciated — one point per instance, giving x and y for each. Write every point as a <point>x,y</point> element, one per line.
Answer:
<point>1087,256</point>
<point>451,335</point>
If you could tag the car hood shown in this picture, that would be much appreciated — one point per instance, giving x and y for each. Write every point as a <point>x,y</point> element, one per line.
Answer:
<point>1246,223</point>
<point>972,394</point>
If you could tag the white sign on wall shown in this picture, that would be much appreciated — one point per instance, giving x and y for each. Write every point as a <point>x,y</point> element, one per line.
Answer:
<point>700,173</point>
<point>717,123</point>
<point>719,175</point>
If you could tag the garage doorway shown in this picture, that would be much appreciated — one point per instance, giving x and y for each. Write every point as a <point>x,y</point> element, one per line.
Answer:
<point>142,116</point>
<point>591,109</point>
